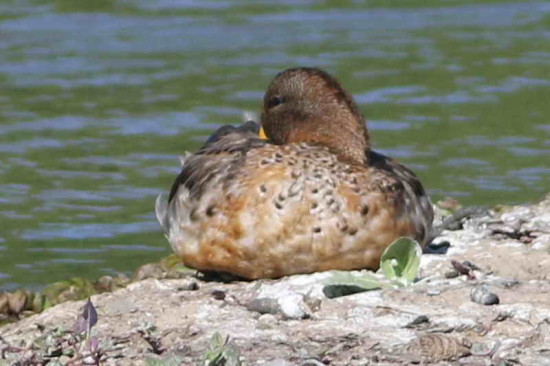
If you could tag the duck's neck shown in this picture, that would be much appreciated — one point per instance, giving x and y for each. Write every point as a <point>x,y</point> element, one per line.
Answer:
<point>350,141</point>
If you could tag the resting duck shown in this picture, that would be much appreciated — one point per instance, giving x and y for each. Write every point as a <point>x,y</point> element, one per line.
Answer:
<point>313,197</point>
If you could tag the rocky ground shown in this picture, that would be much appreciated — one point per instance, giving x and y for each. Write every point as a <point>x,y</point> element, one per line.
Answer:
<point>482,298</point>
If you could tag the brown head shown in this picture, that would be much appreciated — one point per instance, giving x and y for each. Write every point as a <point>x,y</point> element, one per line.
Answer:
<point>308,105</point>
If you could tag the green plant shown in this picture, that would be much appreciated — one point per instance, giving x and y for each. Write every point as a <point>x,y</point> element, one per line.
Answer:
<point>400,261</point>
<point>398,268</point>
<point>221,352</point>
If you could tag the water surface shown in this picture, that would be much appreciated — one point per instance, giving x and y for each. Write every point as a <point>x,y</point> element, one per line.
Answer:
<point>97,99</point>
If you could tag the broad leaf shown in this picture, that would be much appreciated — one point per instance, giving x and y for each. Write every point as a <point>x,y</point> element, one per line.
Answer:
<point>400,261</point>
<point>345,283</point>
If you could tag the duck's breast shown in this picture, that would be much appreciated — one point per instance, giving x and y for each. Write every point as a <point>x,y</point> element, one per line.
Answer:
<point>269,211</point>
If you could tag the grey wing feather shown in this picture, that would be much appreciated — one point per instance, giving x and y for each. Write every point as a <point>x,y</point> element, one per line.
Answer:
<point>416,200</point>
<point>219,159</point>
<point>223,151</point>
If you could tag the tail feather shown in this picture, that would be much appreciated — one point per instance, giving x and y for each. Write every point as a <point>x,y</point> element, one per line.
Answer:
<point>183,158</point>
<point>161,210</point>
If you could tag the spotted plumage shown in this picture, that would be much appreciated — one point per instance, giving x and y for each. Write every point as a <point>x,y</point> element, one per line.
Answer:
<point>314,197</point>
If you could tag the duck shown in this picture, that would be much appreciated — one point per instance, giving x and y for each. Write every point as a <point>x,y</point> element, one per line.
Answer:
<point>300,192</point>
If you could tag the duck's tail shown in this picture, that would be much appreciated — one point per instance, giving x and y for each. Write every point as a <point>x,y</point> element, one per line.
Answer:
<point>161,210</point>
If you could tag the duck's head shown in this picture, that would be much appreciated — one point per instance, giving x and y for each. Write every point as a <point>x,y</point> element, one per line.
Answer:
<point>308,105</point>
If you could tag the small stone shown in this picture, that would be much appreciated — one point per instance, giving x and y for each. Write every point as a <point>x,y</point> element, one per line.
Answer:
<point>3,303</point>
<point>266,321</point>
<point>218,294</point>
<point>437,247</point>
<point>433,292</point>
<point>421,319</point>
<point>16,301</point>
<point>191,286</point>
<point>38,302</point>
<point>505,282</point>
<point>149,270</point>
<point>482,295</point>
<point>451,274</point>
<point>264,305</point>
<point>293,307</point>
<point>104,284</point>
<point>484,349</point>
<point>312,362</point>
<point>464,268</point>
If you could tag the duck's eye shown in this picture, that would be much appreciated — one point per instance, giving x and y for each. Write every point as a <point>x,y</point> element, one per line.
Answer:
<point>275,101</point>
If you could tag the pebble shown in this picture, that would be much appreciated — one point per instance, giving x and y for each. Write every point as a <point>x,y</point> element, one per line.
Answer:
<point>264,305</point>
<point>312,362</point>
<point>433,292</point>
<point>266,321</point>
<point>293,307</point>
<point>191,286</point>
<point>482,295</point>
<point>421,319</point>
<point>218,294</point>
<point>451,274</point>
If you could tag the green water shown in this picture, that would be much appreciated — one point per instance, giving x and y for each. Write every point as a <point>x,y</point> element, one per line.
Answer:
<point>98,97</point>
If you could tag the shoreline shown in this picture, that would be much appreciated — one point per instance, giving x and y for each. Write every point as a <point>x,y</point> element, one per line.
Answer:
<point>168,315</point>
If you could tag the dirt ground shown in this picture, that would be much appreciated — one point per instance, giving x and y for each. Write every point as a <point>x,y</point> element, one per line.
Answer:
<point>500,255</point>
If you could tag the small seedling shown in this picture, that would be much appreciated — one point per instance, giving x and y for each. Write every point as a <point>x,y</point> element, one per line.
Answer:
<point>221,352</point>
<point>398,268</point>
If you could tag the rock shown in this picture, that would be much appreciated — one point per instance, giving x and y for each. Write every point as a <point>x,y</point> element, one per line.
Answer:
<point>16,301</point>
<point>264,305</point>
<point>438,347</point>
<point>70,290</point>
<point>482,295</point>
<point>4,303</point>
<point>312,362</point>
<point>433,292</point>
<point>294,307</point>
<point>38,302</point>
<point>109,283</point>
<point>149,270</point>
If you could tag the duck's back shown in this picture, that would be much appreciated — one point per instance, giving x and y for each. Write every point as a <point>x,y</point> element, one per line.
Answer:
<point>254,209</point>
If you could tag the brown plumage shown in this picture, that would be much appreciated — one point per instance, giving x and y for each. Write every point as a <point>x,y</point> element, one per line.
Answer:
<point>314,197</point>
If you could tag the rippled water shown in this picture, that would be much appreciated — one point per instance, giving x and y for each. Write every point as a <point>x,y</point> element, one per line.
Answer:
<point>97,98</point>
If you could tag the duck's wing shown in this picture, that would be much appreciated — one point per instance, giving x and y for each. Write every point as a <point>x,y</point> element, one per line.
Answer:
<point>248,128</point>
<point>223,151</point>
<point>219,158</point>
<point>417,202</point>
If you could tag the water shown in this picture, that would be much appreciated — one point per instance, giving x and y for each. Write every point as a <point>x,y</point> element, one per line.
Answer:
<point>97,99</point>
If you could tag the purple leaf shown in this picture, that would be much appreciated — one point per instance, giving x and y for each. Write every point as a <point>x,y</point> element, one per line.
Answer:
<point>88,318</point>
<point>80,326</point>
<point>93,344</point>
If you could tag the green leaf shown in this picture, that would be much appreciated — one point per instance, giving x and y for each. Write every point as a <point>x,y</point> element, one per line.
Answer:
<point>400,261</point>
<point>343,283</point>
<point>221,352</point>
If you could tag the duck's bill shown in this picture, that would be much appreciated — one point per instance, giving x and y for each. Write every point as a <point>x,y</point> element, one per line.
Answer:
<point>261,134</point>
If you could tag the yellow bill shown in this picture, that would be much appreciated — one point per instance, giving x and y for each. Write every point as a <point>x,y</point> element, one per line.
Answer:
<point>262,134</point>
